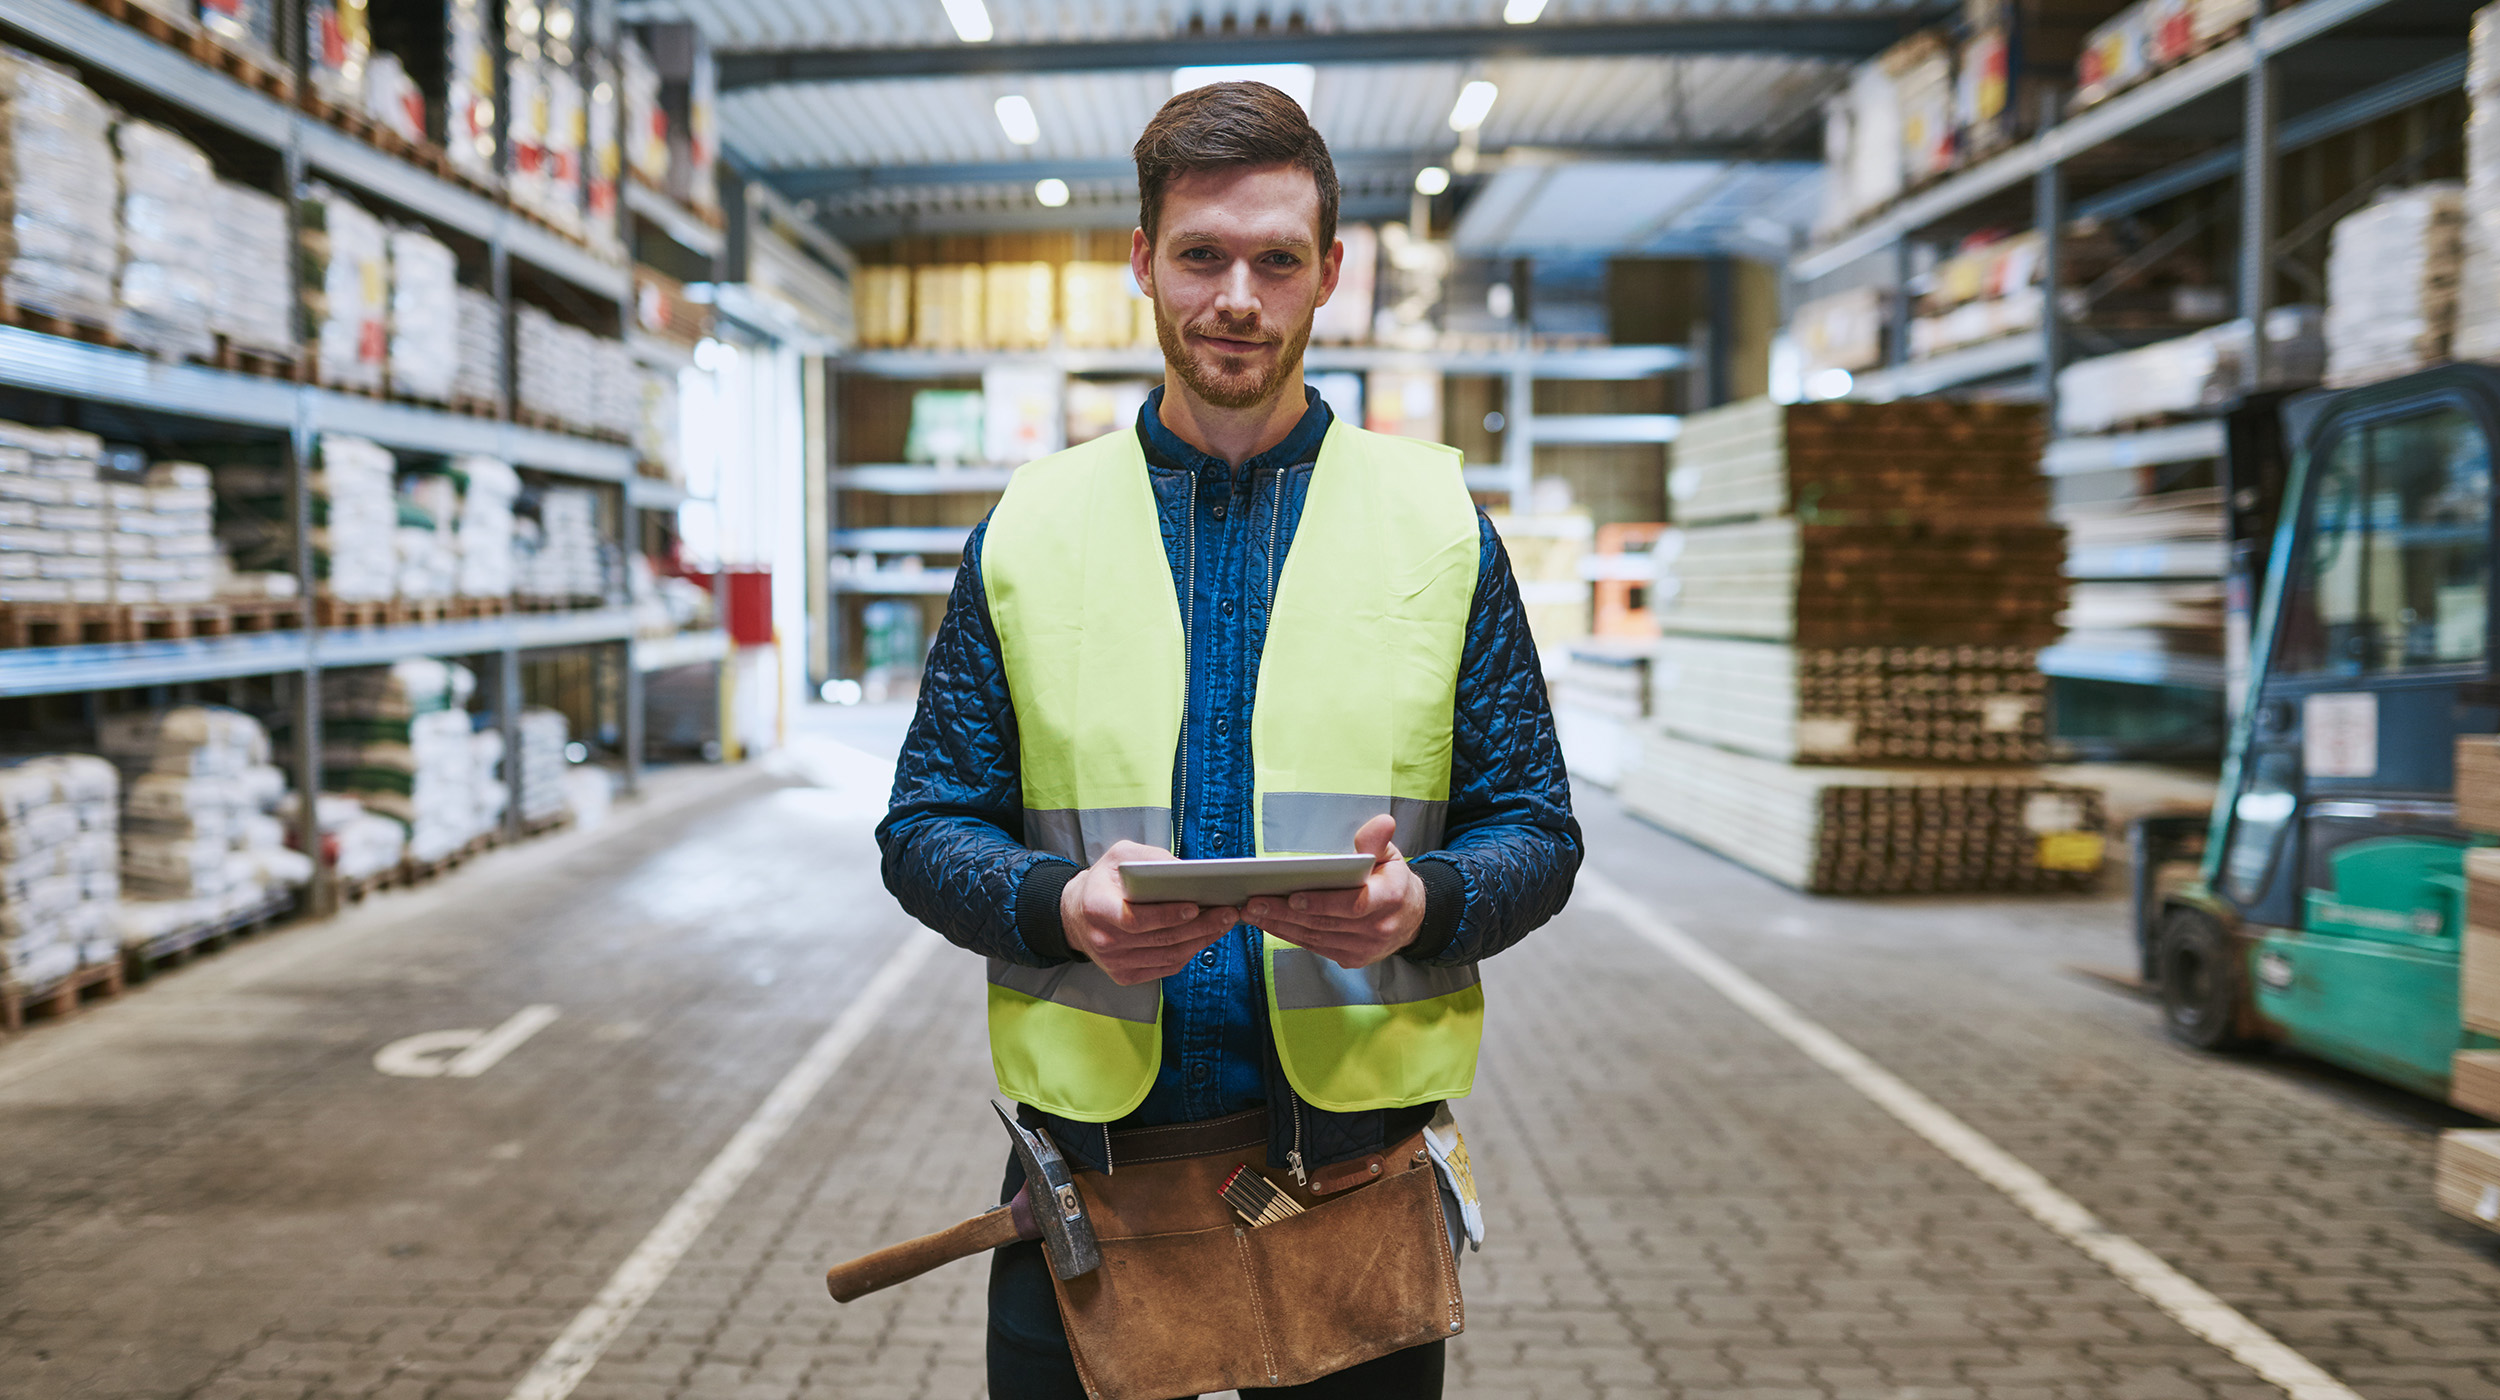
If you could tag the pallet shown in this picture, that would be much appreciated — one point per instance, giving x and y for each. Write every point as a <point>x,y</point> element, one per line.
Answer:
<point>476,408</point>
<point>540,826</point>
<point>465,608</point>
<point>308,371</point>
<point>255,616</point>
<point>58,1000</point>
<point>333,612</point>
<point>426,155</point>
<point>141,961</point>
<point>245,67</point>
<point>45,323</point>
<point>55,624</point>
<point>544,603</point>
<point>391,878</point>
<point>263,364</point>
<point>406,611</point>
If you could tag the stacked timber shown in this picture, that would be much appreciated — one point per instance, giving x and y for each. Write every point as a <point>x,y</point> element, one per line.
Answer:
<point>2469,1175</point>
<point>2474,1081</point>
<point>1862,584</point>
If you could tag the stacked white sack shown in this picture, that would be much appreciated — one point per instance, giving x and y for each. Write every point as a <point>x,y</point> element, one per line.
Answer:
<point>489,487</point>
<point>426,538</point>
<point>2391,283</point>
<point>59,880</point>
<point>53,545</point>
<point>397,738</point>
<point>161,536</point>
<point>2478,279</point>
<point>544,734</point>
<point>425,316</point>
<point>248,258</point>
<point>558,554</point>
<point>201,847</point>
<point>346,289</point>
<point>356,540</point>
<point>61,237</point>
<point>168,284</point>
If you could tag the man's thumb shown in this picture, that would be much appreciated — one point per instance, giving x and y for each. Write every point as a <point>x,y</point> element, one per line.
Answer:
<point>1373,838</point>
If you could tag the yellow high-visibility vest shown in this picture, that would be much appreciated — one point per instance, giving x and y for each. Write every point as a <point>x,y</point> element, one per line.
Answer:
<point>1357,689</point>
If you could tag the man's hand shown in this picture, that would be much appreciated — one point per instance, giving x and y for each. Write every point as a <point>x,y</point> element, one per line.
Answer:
<point>1358,927</point>
<point>1134,942</point>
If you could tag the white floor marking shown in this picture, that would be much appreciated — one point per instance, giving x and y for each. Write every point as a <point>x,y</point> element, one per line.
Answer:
<point>2184,1299</point>
<point>461,1054</point>
<point>572,1355</point>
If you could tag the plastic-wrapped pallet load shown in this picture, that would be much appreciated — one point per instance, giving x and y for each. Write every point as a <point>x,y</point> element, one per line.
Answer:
<point>655,427</point>
<point>167,291</point>
<point>398,739</point>
<point>338,43</point>
<point>248,260</point>
<point>557,555</point>
<point>615,388</point>
<point>425,327</point>
<point>484,534</point>
<point>200,847</point>
<point>544,734</point>
<point>162,536</point>
<point>53,542</point>
<point>469,124</point>
<point>58,867</point>
<point>477,375</point>
<point>249,27</point>
<point>61,239</point>
<point>567,130</point>
<point>2391,279</point>
<point>646,121</point>
<point>2478,292</point>
<point>558,365</point>
<point>346,286</point>
<point>426,538</point>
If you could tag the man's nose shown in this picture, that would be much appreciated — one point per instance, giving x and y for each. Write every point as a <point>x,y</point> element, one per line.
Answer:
<point>1235,296</point>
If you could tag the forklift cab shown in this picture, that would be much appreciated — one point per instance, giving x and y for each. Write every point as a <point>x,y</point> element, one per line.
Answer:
<point>2332,899</point>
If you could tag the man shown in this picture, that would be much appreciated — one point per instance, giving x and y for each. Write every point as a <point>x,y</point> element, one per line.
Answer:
<point>1328,616</point>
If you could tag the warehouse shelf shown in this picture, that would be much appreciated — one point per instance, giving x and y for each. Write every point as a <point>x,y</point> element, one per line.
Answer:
<point>2155,97</point>
<point>2200,560</point>
<point>2132,667</point>
<point>680,649</point>
<point>658,352</point>
<point>85,33</point>
<point>52,364</point>
<point>935,583</point>
<point>1993,359</point>
<point>679,223</point>
<point>2178,442</point>
<point>1594,362</point>
<point>117,665</point>
<point>905,539</point>
<point>1559,428</point>
<point>893,480</point>
<point>651,493</point>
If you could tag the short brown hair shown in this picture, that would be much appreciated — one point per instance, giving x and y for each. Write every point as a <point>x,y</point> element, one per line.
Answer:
<point>1228,125</point>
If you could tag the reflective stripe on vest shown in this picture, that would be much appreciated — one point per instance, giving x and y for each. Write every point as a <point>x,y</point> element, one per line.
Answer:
<point>1355,699</point>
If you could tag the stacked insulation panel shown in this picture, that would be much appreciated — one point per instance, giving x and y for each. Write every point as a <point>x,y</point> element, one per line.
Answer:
<point>59,864</point>
<point>2391,278</point>
<point>1861,584</point>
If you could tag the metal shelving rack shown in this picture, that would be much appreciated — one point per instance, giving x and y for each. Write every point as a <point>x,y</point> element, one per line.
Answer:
<point>1524,428</point>
<point>2421,56</point>
<point>303,147</point>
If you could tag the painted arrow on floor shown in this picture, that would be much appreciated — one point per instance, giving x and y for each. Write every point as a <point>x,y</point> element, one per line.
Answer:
<point>461,1054</point>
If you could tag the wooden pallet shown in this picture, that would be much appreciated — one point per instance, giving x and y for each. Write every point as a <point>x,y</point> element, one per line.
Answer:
<point>54,624</point>
<point>476,408</point>
<point>541,603</point>
<point>264,364</point>
<point>141,961</point>
<point>162,28</point>
<point>308,371</point>
<point>333,612</point>
<point>465,608</point>
<point>245,67</point>
<point>405,611</point>
<point>58,1000</point>
<point>45,323</point>
<point>354,891</point>
<point>540,826</point>
<point>254,616</point>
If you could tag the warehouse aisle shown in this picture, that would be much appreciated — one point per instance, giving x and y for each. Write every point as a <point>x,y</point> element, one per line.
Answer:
<point>211,1191</point>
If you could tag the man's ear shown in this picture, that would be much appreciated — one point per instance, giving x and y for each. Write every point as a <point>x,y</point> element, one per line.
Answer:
<point>1141,262</point>
<point>1331,268</point>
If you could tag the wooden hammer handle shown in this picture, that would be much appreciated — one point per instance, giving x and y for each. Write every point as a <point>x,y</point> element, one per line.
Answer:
<point>912,1258</point>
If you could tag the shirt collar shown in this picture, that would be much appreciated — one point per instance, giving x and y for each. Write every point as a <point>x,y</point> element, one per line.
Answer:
<point>1165,448</point>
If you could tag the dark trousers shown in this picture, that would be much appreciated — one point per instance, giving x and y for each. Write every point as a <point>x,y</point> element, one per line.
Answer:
<point>1029,1357</point>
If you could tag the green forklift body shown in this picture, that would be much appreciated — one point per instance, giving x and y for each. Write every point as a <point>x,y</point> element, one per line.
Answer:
<point>2370,979</point>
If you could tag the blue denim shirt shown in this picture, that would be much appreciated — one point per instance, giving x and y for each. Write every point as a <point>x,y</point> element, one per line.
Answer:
<point>952,839</point>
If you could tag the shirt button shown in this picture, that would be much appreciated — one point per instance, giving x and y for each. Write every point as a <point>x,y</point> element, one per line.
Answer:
<point>1207,957</point>
<point>1228,607</point>
<point>1198,1074</point>
<point>1219,510</point>
<point>1223,725</point>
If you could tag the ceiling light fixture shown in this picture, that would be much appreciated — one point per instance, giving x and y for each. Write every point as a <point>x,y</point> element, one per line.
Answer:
<point>1015,116</point>
<point>1474,102</point>
<point>1294,80</point>
<point>1052,192</point>
<point>1431,180</point>
<point>971,19</point>
<point>1522,11</point>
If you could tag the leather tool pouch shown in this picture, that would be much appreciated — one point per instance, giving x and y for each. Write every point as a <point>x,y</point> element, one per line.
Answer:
<point>1190,1300</point>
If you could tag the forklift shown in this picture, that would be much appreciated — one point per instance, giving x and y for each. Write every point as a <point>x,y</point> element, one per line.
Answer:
<point>2328,907</point>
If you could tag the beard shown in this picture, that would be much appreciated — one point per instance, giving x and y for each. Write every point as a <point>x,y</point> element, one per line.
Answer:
<point>1205,374</point>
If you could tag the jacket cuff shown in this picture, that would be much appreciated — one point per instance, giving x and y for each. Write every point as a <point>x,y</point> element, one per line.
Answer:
<point>1037,908</point>
<point>1445,898</point>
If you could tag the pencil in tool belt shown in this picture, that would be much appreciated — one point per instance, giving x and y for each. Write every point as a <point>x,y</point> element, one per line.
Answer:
<point>1255,1199</point>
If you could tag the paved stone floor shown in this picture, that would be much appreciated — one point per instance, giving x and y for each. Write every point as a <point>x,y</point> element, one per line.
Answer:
<point>207,1191</point>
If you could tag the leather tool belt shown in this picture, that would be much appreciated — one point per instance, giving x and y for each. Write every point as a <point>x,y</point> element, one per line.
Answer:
<point>1191,1300</point>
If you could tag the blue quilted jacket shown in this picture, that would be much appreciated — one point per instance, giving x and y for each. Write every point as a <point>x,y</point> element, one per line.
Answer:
<point>952,841</point>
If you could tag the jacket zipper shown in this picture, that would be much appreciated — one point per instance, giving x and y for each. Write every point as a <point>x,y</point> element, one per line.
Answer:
<point>1275,527</point>
<point>1293,1159</point>
<point>1189,620</point>
<point>1107,1163</point>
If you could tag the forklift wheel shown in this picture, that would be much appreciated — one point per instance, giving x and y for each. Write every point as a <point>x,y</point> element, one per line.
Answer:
<point>2201,981</point>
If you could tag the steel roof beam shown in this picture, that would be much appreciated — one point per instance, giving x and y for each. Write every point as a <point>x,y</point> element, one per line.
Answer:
<point>1838,37</point>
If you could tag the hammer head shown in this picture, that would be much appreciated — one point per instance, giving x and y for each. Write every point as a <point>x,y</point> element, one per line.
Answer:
<point>1050,1186</point>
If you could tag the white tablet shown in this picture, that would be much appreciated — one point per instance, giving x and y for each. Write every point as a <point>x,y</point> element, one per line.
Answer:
<point>1231,883</point>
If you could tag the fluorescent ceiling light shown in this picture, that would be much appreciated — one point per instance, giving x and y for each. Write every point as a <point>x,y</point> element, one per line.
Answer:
<point>1474,101</point>
<point>971,19</point>
<point>1016,116</point>
<point>1431,180</point>
<point>1522,11</point>
<point>1051,192</point>
<point>1294,80</point>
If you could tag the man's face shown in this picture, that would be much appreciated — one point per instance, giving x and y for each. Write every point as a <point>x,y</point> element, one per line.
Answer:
<point>1236,273</point>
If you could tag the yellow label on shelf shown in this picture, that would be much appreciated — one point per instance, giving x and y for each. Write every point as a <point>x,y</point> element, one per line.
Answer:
<point>2071,850</point>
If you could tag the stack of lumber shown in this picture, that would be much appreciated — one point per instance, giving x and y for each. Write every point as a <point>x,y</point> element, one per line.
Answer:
<point>1926,704</point>
<point>1872,830</point>
<point>2469,1175</point>
<point>1862,584</point>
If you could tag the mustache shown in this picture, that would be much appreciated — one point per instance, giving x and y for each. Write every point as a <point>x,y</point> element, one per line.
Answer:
<point>1234,331</point>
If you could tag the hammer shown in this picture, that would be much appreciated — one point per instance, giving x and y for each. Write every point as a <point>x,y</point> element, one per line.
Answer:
<point>1046,1208</point>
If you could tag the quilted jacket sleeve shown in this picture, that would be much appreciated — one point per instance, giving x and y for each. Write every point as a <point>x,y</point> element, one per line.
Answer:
<point>1511,840</point>
<point>953,835</point>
